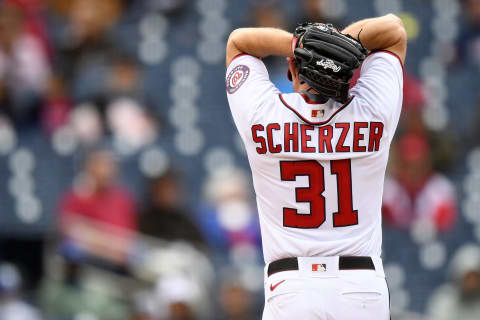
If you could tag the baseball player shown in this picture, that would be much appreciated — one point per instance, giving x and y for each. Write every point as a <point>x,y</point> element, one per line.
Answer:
<point>318,159</point>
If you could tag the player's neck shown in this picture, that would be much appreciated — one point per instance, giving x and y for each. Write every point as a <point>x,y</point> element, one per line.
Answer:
<point>314,96</point>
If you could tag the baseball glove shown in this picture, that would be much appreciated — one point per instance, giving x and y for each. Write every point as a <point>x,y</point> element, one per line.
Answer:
<point>326,58</point>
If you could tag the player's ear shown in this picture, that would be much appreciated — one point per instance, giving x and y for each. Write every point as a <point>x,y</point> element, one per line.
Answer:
<point>292,68</point>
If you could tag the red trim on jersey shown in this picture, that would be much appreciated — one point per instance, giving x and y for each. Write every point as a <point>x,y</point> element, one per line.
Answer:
<point>239,55</point>
<point>389,52</point>
<point>315,123</point>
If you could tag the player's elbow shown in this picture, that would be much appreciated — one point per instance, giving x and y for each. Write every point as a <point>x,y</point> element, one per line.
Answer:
<point>234,44</point>
<point>397,29</point>
<point>400,34</point>
<point>234,36</point>
<point>403,31</point>
<point>394,19</point>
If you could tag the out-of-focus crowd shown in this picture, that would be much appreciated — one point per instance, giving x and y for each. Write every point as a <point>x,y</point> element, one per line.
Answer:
<point>67,71</point>
<point>70,71</point>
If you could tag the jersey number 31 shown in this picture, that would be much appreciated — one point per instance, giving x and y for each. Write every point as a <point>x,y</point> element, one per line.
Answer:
<point>312,194</point>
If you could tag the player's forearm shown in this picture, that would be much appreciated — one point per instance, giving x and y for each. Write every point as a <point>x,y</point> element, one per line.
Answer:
<point>259,42</point>
<point>378,33</point>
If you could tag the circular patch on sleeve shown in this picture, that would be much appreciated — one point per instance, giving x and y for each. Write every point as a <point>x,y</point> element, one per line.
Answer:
<point>236,78</point>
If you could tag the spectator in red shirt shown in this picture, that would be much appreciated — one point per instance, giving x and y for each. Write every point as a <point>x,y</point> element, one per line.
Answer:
<point>97,216</point>
<point>414,191</point>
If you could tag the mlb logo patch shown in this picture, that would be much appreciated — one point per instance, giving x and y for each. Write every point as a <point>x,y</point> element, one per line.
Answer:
<point>319,267</point>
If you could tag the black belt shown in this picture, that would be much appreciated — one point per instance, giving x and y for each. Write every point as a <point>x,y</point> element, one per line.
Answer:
<point>344,263</point>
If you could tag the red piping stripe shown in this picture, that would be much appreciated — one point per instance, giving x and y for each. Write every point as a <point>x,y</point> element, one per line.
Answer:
<point>389,52</point>
<point>238,56</point>
<point>315,123</point>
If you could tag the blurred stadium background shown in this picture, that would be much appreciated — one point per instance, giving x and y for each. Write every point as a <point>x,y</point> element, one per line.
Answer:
<point>125,189</point>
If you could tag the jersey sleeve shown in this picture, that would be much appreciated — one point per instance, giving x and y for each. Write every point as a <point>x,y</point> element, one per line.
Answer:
<point>380,86</point>
<point>248,87</point>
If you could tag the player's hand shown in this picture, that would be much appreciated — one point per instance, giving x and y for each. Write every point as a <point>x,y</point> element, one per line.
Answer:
<point>326,58</point>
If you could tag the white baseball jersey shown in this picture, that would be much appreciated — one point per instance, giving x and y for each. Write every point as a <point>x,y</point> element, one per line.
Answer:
<point>318,168</point>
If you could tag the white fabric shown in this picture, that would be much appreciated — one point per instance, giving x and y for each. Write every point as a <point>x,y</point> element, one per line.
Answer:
<point>317,165</point>
<point>254,100</point>
<point>335,294</point>
<point>26,67</point>
<point>18,310</point>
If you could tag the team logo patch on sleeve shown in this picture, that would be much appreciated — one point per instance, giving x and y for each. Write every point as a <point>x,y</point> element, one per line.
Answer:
<point>236,78</point>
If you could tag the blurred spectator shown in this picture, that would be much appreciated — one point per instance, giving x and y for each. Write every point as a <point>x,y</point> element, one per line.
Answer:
<point>85,43</point>
<point>179,294</point>
<point>98,88</point>
<point>411,121</point>
<point>317,11</point>
<point>71,291</point>
<point>165,217</point>
<point>235,302</point>
<point>175,297</point>
<point>24,65</point>
<point>414,97</point>
<point>124,80</point>
<point>272,15</point>
<point>33,12</point>
<point>414,191</point>
<point>12,307</point>
<point>314,10</point>
<point>123,102</point>
<point>269,15</point>
<point>131,126</point>
<point>87,124</point>
<point>98,217</point>
<point>459,299</point>
<point>469,38</point>
<point>57,104</point>
<point>228,218</point>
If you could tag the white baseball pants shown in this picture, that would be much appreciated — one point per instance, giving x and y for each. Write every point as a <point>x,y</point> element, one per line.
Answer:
<point>320,291</point>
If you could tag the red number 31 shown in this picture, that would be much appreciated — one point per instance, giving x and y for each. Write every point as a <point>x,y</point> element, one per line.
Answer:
<point>345,216</point>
